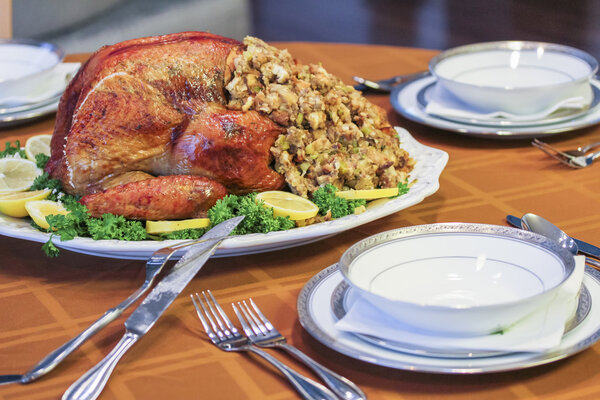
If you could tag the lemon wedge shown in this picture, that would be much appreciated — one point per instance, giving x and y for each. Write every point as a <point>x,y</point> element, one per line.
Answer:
<point>17,174</point>
<point>39,209</point>
<point>13,204</point>
<point>36,145</point>
<point>367,194</point>
<point>154,227</point>
<point>286,204</point>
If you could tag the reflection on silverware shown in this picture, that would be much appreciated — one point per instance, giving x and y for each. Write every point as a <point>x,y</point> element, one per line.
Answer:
<point>262,333</point>
<point>584,247</point>
<point>582,151</point>
<point>564,157</point>
<point>91,384</point>
<point>225,336</point>
<point>154,266</point>
<point>386,85</point>
<point>537,224</point>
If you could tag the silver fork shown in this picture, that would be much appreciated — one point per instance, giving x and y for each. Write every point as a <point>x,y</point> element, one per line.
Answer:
<point>262,333</point>
<point>225,335</point>
<point>386,85</point>
<point>567,158</point>
<point>154,266</point>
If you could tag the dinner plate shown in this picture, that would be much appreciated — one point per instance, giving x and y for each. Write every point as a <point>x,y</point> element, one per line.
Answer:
<point>405,100</point>
<point>30,113</point>
<point>429,165</point>
<point>4,110</point>
<point>343,296</point>
<point>560,115</point>
<point>317,318</point>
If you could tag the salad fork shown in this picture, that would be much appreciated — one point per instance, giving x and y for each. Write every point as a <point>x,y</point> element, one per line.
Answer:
<point>262,333</point>
<point>568,157</point>
<point>154,266</point>
<point>225,336</point>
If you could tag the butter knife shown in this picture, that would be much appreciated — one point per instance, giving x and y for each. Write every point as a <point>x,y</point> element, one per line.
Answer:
<point>584,248</point>
<point>91,384</point>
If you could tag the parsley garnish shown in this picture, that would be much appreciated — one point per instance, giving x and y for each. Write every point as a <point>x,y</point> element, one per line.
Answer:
<point>325,198</point>
<point>10,150</point>
<point>258,219</point>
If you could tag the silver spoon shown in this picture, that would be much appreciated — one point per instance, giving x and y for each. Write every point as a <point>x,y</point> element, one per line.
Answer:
<point>537,224</point>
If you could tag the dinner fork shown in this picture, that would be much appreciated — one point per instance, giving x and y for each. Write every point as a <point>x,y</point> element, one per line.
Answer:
<point>225,336</point>
<point>566,157</point>
<point>386,85</point>
<point>154,266</point>
<point>262,333</point>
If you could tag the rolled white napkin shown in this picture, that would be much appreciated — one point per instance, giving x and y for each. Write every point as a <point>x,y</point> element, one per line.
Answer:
<point>538,332</point>
<point>51,87</point>
<point>442,103</point>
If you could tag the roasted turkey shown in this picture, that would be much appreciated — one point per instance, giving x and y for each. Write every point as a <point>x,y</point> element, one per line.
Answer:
<point>147,129</point>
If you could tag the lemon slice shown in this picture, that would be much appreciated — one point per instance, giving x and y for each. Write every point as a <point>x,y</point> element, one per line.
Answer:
<point>171,226</point>
<point>36,145</point>
<point>377,203</point>
<point>39,209</point>
<point>367,194</point>
<point>286,204</point>
<point>16,174</point>
<point>13,204</point>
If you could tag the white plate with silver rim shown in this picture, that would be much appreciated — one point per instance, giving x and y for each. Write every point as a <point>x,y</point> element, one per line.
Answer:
<point>430,163</point>
<point>317,318</point>
<point>407,99</point>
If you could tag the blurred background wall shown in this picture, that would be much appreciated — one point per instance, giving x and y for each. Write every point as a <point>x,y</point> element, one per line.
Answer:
<point>85,25</point>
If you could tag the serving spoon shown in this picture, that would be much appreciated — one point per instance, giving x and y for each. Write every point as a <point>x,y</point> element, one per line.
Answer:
<point>537,224</point>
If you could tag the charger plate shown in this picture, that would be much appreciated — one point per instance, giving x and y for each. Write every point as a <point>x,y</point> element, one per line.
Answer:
<point>317,317</point>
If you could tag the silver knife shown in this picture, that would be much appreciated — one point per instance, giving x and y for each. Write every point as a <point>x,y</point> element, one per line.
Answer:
<point>90,385</point>
<point>585,248</point>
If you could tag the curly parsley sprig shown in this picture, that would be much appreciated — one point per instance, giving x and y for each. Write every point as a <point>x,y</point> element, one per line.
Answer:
<point>11,150</point>
<point>325,198</point>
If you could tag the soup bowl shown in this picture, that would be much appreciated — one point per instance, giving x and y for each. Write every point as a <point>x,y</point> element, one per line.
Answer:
<point>25,65</point>
<point>456,278</point>
<point>516,77</point>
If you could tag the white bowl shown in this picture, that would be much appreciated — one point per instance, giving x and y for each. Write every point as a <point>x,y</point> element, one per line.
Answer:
<point>25,65</point>
<point>457,279</point>
<point>517,77</point>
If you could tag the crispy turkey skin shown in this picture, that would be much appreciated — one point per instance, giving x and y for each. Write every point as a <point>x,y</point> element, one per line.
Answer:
<point>144,114</point>
<point>157,105</point>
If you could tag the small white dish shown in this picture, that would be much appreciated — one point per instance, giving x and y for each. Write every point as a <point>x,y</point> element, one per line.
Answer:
<point>457,279</point>
<point>516,77</point>
<point>407,100</point>
<point>25,65</point>
<point>316,317</point>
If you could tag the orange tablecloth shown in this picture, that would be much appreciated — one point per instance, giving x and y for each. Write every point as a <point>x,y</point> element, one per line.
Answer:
<point>44,302</point>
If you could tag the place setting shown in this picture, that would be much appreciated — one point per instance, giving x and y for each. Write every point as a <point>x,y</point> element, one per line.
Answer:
<point>509,89</point>
<point>462,299</point>
<point>33,76</point>
<point>294,214</point>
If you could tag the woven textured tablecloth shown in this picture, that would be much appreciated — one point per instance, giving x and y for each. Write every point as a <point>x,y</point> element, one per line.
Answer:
<point>44,302</point>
